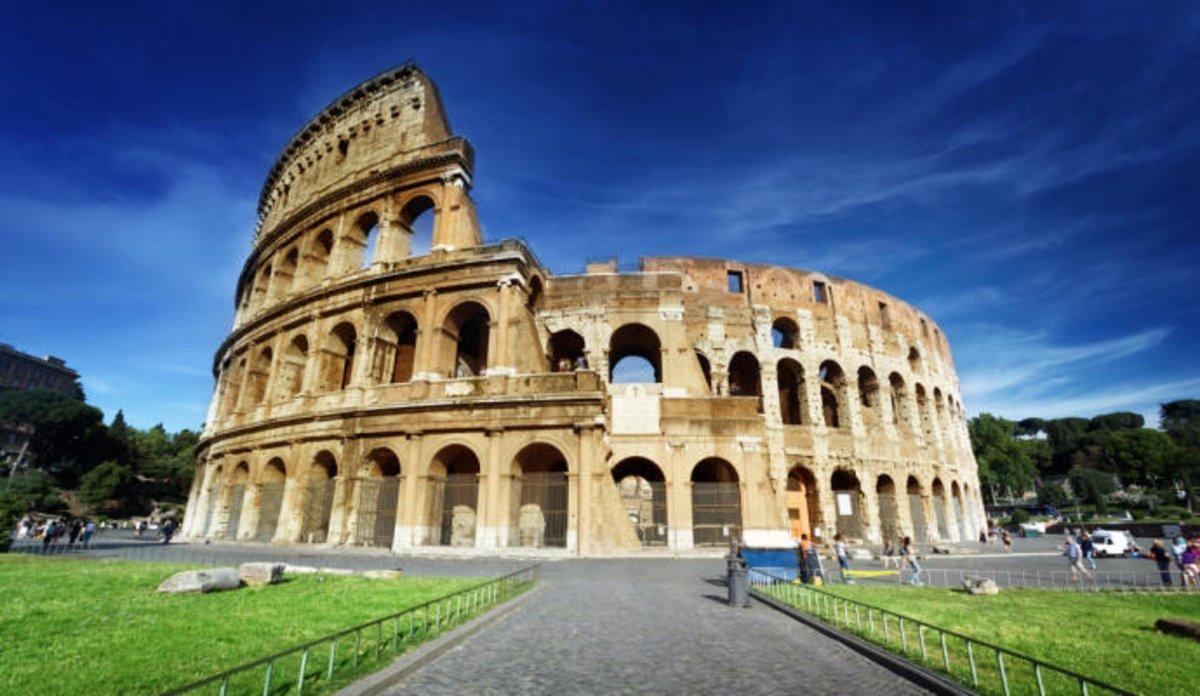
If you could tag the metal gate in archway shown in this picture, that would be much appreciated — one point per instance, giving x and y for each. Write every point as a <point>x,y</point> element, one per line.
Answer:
<point>270,502</point>
<point>939,508</point>
<point>455,499</point>
<point>645,502</point>
<point>234,522</point>
<point>917,512</point>
<point>539,514</point>
<point>376,505</point>
<point>716,513</point>
<point>318,507</point>
<point>889,520</point>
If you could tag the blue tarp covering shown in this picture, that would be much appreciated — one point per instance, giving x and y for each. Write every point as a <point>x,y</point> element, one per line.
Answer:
<point>779,563</point>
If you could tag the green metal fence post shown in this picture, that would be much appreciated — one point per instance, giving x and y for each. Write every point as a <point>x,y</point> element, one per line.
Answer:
<point>303,669</point>
<point>267,678</point>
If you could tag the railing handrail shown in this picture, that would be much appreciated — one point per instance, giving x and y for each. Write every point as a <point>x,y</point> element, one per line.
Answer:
<point>218,676</point>
<point>962,636</point>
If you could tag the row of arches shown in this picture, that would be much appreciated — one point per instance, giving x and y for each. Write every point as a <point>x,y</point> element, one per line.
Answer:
<point>322,254</point>
<point>331,363</point>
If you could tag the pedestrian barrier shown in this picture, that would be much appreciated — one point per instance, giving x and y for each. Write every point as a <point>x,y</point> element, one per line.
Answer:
<point>323,663</point>
<point>986,667</point>
<point>1100,580</point>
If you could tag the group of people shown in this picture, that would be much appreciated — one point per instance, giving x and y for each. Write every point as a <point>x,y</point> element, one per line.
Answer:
<point>52,530</point>
<point>1184,555</point>
<point>810,568</point>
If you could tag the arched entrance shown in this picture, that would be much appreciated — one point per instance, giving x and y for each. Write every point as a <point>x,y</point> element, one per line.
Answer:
<point>566,351</point>
<point>634,355</point>
<point>453,497</point>
<point>916,510</point>
<point>377,498</point>
<point>214,493</point>
<point>793,400</point>
<point>803,503</point>
<point>957,506</point>
<point>465,336</point>
<point>716,503</point>
<point>643,491</point>
<point>539,498</point>
<point>939,509</point>
<point>889,513</point>
<point>848,503</point>
<point>236,496</point>
<point>318,499</point>
<point>270,499</point>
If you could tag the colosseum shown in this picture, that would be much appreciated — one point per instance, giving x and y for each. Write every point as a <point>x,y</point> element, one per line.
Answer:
<point>392,380</point>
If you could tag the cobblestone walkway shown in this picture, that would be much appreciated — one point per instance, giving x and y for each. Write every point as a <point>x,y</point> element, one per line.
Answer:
<point>647,626</point>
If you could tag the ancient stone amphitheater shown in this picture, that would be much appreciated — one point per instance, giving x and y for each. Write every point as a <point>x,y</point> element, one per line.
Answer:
<point>392,380</point>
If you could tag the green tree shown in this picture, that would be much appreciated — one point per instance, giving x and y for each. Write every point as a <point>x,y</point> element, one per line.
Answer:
<point>109,487</point>
<point>1121,420</point>
<point>1003,462</point>
<point>1039,454</point>
<point>69,436</point>
<point>1181,420</point>
<point>1052,494</point>
<point>1140,455</point>
<point>1065,435</point>
<point>1093,486</point>
<point>1030,427</point>
<point>33,490</point>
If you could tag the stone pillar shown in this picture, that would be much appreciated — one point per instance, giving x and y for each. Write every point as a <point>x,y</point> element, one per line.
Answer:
<point>425,364</point>
<point>588,470</point>
<point>679,500</point>
<point>871,522</point>
<point>343,488</point>
<point>492,526</point>
<point>499,360</point>
<point>409,517</point>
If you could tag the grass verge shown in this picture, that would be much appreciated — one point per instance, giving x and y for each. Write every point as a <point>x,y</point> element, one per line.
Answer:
<point>98,627</point>
<point>1109,637</point>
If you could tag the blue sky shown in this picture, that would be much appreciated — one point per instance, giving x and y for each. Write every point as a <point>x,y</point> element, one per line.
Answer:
<point>1025,174</point>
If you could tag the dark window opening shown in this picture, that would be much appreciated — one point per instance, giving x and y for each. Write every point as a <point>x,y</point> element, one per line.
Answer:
<point>820,292</point>
<point>734,280</point>
<point>885,316</point>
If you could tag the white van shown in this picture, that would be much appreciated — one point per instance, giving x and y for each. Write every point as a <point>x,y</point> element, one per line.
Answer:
<point>1110,543</point>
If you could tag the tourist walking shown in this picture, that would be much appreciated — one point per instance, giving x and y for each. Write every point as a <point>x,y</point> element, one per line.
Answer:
<point>803,572</point>
<point>1191,565</point>
<point>1074,554</point>
<point>843,557</point>
<point>889,555</point>
<point>140,527</point>
<point>1007,539</point>
<point>1158,554</point>
<point>168,531</point>
<point>76,530</point>
<point>1089,549</point>
<point>88,530</point>
<point>48,535</point>
<point>908,556</point>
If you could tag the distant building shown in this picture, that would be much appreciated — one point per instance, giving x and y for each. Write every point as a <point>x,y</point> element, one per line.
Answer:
<point>24,371</point>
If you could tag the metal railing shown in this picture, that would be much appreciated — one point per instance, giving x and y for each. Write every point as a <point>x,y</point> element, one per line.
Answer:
<point>1099,580</point>
<point>317,664</point>
<point>986,667</point>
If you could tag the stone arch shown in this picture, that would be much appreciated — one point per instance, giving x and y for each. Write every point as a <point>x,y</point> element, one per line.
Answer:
<point>785,333</point>
<point>341,345</point>
<point>418,220</point>
<point>803,502</point>
<point>745,375</point>
<point>914,359</point>
<point>465,336</point>
<point>848,503</point>
<point>716,503</point>
<point>956,505</point>
<point>899,396</point>
<point>923,410</point>
<point>262,285</point>
<point>320,256</point>
<point>868,395</point>
<point>235,370</point>
<point>235,498</point>
<point>213,494</point>
<point>637,351</point>
<point>320,480</point>
<point>257,379</point>
<point>292,364</point>
<point>396,348</point>
<point>916,509</point>
<point>793,392</point>
<point>643,491</point>
<point>453,496</point>
<point>889,508</point>
<point>939,407</point>
<point>284,281</point>
<point>362,241</point>
<point>833,395</point>
<point>705,369</point>
<point>566,351</point>
<point>272,483</point>
<point>540,497</point>
<point>939,509</point>
<point>376,499</point>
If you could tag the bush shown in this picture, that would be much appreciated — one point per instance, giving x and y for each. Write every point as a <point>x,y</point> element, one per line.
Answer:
<point>10,509</point>
<point>1052,494</point>
<point>1019,516</point>
<point>1136,514</point>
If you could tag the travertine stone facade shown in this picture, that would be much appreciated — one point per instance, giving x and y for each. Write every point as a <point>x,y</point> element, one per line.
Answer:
<point>464,396</point>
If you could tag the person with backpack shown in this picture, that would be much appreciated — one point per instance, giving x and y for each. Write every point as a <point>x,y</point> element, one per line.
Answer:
<point>168,530</point>
<point>908,556</point>
<point>1088,548</point>
<point>843,557</point>
<point>1074,554</point>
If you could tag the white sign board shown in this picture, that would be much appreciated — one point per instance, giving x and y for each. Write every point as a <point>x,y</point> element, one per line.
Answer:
<point>845,506</point>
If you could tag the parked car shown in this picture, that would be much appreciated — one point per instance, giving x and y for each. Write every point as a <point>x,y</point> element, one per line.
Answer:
<point>1110,543</point>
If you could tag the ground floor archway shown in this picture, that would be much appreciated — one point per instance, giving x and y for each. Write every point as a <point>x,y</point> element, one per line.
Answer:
<point>643,491</point>
<point>803,503</point>
<point>716,503</point>
<point>376,499</point>
<point>939,510</point>
<point>320,482</point>
<point>916,510</point>
<point>272,483</point>
<point>453,497</point>
<point>540,498</point>
<point>848,504</point>
<point>889,512</point>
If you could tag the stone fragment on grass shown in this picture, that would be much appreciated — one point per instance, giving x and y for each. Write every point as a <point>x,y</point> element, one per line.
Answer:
<point>209,580</point>
<point>381,574</point>
<point>981,586</point>
<point>300,569</point>
<point>337,571</point>
<point>260,573</point>
<point>1179,627</point>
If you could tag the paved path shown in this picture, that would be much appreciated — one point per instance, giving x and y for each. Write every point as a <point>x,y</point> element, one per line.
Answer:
<point>647,626</point>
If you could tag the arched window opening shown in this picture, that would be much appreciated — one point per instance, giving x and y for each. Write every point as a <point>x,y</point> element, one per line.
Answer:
<point>744,375</point>
<point>453,497</point>
<point>539,515</point>
<point>803,503</point>
<point>923,411</point>
<point>339,354</point>
<point>716,503</point>
<point>376,500</point>
<point>705,369</point>
<point>785,333</point>
<point>939,509</point>
<point>365,240</point>
<point>320,480</point>
<point>285,275</point>
<point>939,409</point>
<point>232,375</point>
<point>956,502</point>
<point>899,399</point>
<point>213,493</point>
<point>321,256</point>
<point>417,222</point>
<point>236,499</point>
<point>889,511</point>
<point>467,328</point>
<point>261,286</point>
<point>916,510</point>
<point>257,379</point>
<point>848,502</point>
<point>793,397</point>
<point>914,359</point>
<point>643,491</point>
<point>396,349</point>
<point>270,499</point>
<point>566,351</point>
<point>291,368</point>
<point>534,300</point>
<point>833,389</point>
<point>868,395</point>
<point>634,355</point>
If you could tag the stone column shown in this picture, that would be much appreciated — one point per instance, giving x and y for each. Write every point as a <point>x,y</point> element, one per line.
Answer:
<point>343,488</point>
<point>409,517</point>
<point>679,500</point>
<point>492,528</point>
<point>425,364</point>
<point>871,521</point>
<point>499,359</point>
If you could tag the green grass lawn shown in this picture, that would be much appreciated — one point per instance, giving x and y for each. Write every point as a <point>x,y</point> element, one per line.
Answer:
<point>1107,636</point>
<point>96,627</point>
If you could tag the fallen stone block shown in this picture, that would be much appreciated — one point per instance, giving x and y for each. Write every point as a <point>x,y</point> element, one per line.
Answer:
<point>1179,627</point>
<point>210,580</point>
<point>300,569</point>
<point>260,573</point>
<point>337,571</point>
<point>981,586</point>
<point>382,574</point>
